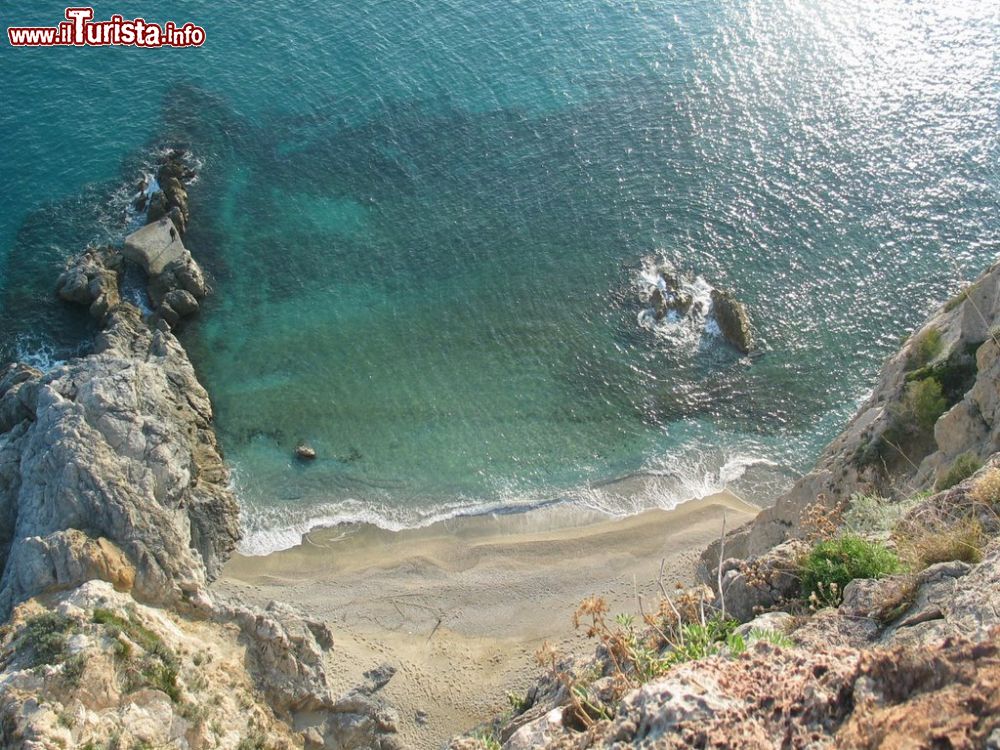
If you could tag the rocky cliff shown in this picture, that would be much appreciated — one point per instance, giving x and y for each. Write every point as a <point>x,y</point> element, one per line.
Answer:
<point>878,451</point>
<point>109,469</point>
<point>862,610</point>
<point>115,514</point>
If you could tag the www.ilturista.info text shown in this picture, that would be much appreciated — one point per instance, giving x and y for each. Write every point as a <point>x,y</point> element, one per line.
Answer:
<point>80,30</point>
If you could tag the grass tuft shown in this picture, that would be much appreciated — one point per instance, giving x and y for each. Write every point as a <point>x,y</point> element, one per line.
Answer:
<point>924,544</point>
<point>986,489</point>
<point>834,563</point>
<point>963,467</point>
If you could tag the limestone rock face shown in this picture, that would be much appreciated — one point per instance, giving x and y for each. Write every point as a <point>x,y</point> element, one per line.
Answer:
<point>971,425</point>
<point>284,653</point>
<point>112,668</point>
<point>118,444</point>
<point>951,599</point>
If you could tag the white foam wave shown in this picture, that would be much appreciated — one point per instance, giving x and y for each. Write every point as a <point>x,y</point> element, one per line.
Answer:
<point>686,331</point>
<point>665,485</point>
<point>267,530</point>
<point>38,352</point>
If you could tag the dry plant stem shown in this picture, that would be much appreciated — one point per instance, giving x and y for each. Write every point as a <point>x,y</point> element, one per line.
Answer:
<point>638,597</point>
<point>666,597</point>
<point>722,550</point>
<point>642,612</point>
<point>900,451</point>
<point>567,681</point>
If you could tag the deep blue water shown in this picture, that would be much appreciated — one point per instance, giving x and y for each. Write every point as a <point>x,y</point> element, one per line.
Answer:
<point>426,224</point>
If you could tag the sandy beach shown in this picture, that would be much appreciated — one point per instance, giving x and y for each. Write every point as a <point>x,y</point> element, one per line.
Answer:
<point>460,607</point>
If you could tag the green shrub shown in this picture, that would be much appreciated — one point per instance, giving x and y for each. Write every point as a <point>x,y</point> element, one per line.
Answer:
<point>158,669</point>
<point>47,634</point>
<point>162,676</point>
<point>956,373</point>
<point>134,630</point>
<point>73,669</point>
<point>927,346</point>
<point>923,404</point>
<point>963,467</point>
<point>834,563</point>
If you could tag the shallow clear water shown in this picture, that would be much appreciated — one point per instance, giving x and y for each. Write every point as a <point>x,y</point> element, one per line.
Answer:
<point>426,225</point>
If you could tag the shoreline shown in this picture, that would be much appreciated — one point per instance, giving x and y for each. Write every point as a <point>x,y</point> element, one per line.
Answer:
<point>460,606</point>
<point>614,498</point>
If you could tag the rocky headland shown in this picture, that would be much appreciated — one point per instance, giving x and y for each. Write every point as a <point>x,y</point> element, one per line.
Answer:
<point>116,515</point>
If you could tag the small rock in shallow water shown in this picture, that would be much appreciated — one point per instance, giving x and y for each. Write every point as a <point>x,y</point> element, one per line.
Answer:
<point>305,452</point>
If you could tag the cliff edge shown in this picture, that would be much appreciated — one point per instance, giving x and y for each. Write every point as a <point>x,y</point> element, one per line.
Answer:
<point>115,514</point>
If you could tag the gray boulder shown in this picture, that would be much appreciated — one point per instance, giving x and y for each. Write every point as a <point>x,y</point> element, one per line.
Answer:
<point>770,580</point>
<point>174,276</point>
<point>91,279</point>
<point>155,247</point>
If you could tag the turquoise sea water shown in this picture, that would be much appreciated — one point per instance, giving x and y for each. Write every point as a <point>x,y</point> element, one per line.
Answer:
<point>426,224</point>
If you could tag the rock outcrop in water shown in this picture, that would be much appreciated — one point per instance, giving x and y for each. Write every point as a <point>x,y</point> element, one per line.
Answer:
<point>171,200</point>
<point>175,281</point>
<point>669,295</point>
<point>115,514</point>
<point>93,280</point>
<point>733,320</point>
<point>678,298</point>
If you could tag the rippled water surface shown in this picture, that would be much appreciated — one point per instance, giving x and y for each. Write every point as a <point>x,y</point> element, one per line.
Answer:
<point>427,224</point>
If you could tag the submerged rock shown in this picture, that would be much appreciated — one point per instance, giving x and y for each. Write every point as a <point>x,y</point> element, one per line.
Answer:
<point>669,295</point>
<point>733,320</point>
